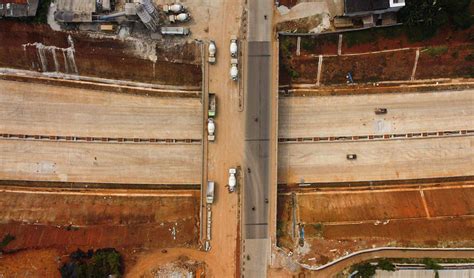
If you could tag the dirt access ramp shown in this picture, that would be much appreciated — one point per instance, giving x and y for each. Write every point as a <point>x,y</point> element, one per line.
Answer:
<point>37,47</point>
<point>341,220</point>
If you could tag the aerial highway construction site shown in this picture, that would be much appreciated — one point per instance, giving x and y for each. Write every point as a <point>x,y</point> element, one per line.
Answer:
<point>218,138</point>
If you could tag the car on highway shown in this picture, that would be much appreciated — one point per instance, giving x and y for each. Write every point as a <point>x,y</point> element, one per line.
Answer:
<point>380,111</point>
<point>351,156</point>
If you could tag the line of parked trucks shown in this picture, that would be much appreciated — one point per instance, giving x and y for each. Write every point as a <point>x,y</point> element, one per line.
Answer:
<point>212,51</point>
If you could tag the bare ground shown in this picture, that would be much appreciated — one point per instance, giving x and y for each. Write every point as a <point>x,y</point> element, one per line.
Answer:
<point>100,57</point>
<point>339,221</point>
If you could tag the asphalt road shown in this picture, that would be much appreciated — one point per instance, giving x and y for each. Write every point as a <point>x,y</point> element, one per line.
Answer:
<point>257,139</point>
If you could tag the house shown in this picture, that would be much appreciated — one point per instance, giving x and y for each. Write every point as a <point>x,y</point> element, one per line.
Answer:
<point>18,8</point>
<point>75,10</point>
<point>373,12</point>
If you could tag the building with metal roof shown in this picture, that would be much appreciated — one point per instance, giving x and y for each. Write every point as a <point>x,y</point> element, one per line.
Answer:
<point>75,10</point>
<point>368,7</point>
<point>18,8</point>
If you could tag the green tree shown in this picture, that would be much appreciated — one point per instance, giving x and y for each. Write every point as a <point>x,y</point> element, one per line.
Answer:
<point>431,264</point>
<point>385,264</point>
<point>366,270</point>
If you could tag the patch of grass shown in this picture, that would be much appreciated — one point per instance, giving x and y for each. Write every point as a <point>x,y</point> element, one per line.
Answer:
<point>359,37</point>
<point>293,73</point>
<point>455,54</point>
<point>6,240</point>
<point>280,227</point>
<point>102,263</point>
<point>431,264</point>
<point>386,265</point>
<point>287,46</point>
<point>436,51</point>
<point>308,43</point>
<point>469,57</point>
<point>365,270</point>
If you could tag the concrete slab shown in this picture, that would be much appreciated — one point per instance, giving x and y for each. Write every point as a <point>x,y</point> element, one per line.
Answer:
<point>354,115</point>
<point>27,108</point>
<point>376,160</point>
<point>100,162</point>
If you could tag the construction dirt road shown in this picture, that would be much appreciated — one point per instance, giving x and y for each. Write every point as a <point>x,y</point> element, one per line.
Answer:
<point>223,260</point>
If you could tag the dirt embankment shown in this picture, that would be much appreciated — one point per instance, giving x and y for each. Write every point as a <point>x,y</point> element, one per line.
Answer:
<point>134,60</point>
<point>449,54</point>
<point>349,220</point>
<point>65,221</point>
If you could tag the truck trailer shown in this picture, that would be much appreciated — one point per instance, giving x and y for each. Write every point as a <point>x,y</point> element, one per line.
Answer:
<point>210,192</point>
<point>212,105</point>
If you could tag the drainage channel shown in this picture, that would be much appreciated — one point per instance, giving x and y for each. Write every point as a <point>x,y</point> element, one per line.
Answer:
<point>394,136</point>
<point>122,140</point>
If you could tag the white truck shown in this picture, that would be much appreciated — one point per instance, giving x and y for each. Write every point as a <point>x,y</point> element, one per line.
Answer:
<point>233,47</point>
<point>234,70</point>
<point>211,129</point>
<point>212,52</point>
<point>232,179</point>
<point>210,192</point>
<point>182,17</point>
<point>177,31</point>
<point>174,8</point>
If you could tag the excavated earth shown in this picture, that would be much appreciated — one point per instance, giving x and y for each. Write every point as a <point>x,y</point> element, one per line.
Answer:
<point>104,57</point>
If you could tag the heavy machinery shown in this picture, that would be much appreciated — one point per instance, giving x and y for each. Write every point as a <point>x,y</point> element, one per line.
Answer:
<point>174,8</point>
<point>211,129</point>
<point>211,113</point>
<point>210,192</point>
<point>232,179</point>
<point>182,17</point>
<point>212,52</point>
<point>233,47</point>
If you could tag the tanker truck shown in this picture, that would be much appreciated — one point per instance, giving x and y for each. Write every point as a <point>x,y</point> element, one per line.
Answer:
<point>233,47</point>
<point>211,129</point>
<point>212,52</point>
<point>174,8</point>
<point>182,17</point>
<point>232,179</point>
